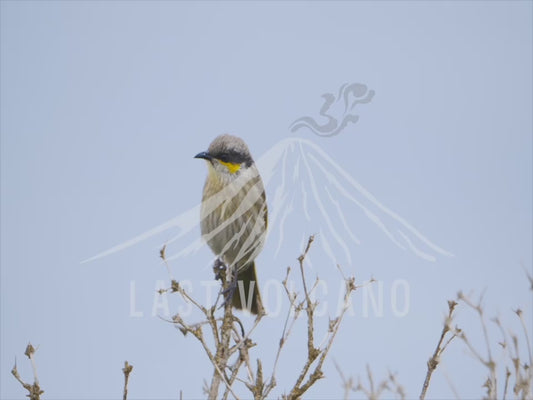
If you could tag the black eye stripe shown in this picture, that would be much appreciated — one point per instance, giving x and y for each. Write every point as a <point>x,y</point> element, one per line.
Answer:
<point>233,157</point>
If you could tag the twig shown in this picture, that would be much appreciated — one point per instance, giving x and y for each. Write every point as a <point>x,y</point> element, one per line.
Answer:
<point>435,359</point>
<point>221,335</point>
<point>374,392</point>
<point>334,326</point>
<point>506,385</point>
<point>197,332</point>
<point>34,389</point>
<point>231,339</point>
<point>398,389</point>
<point>492,382</point>
<point>313,353</point>
<point>234,372</point>
<point>287,329</point>
<point>126,370</point>
<point>163,255</point>
<point>222,354</point>
<point>518,312</point>
<point>347,384</point>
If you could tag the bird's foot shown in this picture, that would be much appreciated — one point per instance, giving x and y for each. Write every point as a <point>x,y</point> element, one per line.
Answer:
<point>229,291</point>
<point>219,268</point>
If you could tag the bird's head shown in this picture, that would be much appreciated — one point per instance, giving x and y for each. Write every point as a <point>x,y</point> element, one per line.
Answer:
<point>227,157</point>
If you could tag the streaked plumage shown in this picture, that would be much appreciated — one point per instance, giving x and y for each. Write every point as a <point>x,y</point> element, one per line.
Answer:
<point>234,212</point>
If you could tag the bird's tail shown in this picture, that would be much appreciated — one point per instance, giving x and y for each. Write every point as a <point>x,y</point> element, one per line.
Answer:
<point>248,286</point>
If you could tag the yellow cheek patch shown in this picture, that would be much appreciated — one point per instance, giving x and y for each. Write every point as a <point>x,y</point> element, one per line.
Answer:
<point>232,167</point>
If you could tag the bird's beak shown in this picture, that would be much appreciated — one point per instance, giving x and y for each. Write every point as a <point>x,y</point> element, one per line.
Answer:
<point>205,155</point>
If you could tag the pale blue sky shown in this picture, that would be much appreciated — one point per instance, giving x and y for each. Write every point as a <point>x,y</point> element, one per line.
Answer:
<point>104,105</point>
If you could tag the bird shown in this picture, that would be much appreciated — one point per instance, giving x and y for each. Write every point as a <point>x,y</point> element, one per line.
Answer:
<point>234,216</point>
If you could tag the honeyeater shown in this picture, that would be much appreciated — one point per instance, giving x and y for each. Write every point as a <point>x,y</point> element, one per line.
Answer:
<point>234,215</point>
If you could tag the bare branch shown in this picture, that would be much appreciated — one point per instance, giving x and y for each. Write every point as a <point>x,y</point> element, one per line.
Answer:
<point>126,370</point>
<point>518,312</point>
<point>375,391</point>
<point>347,384</point>
<point>433,362</point>
<point>314,353</point>
<point>34,390</point>
<point>287,329</point>
<point>232,341</point>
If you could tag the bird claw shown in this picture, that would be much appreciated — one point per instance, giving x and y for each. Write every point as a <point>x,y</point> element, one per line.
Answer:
<point>230,290</point>
<point>219,268</point>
